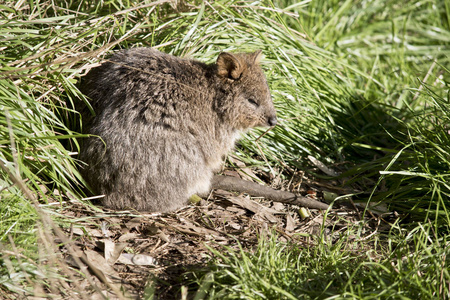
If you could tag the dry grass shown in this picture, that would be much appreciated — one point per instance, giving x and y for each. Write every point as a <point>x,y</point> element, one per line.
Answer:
<point>360,88</point>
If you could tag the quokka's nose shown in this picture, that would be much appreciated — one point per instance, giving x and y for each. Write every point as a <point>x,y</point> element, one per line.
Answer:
<point>272,121</point>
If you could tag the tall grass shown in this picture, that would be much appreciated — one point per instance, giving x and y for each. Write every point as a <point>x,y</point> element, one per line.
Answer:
<point>362,86</point>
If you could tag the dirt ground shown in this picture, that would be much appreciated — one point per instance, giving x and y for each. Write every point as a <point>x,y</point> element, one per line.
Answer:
<point>130,252</point>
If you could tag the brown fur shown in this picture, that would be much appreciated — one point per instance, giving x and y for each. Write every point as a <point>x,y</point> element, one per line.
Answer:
<point>163,124</point>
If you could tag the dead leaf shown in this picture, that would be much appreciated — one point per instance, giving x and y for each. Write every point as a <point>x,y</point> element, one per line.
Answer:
<point>92,232</point>
<point>133,223</point>
<point>190,227</point>
<point>290,222</point>
<point>236,211</point>
<point>137,259</point>
<point>151,229</point>
<point>255,207</point>
<point>128,236</point>
<point>163,237</point>
<point>234,225</point>
<point>112,251</point>
<point>99,262</point>
<point>278,206</point>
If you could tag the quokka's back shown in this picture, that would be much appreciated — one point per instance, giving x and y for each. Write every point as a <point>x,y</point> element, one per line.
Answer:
<point>162,124</point>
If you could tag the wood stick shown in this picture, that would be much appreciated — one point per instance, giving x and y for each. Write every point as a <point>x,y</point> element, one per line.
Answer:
<point>258,190</point>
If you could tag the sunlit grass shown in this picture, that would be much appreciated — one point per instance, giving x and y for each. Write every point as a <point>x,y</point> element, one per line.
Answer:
<point>362,86</point>
<point>407,267</point>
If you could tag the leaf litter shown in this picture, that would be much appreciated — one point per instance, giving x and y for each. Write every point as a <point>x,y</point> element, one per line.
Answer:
<point>134,249</point>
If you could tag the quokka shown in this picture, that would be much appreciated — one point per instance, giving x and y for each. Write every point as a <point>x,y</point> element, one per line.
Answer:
<point>162,124</point>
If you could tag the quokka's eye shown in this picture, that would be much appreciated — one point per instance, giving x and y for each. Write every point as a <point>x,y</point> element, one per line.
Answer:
<point>253,102</point>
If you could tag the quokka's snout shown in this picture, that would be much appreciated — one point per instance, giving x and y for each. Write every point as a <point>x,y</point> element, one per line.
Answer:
<point>272,121</point>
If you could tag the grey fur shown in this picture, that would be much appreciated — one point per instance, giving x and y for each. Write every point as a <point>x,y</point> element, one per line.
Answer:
<point>166,123</point>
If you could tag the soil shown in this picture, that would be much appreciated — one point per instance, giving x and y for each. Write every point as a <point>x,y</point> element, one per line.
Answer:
<point>128,254</point>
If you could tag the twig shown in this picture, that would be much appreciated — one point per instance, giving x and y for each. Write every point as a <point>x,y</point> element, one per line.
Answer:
<point>258,190</point>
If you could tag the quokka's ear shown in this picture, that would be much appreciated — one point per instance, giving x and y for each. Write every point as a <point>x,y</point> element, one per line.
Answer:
<point>229,66</point>
<point>257,56</point>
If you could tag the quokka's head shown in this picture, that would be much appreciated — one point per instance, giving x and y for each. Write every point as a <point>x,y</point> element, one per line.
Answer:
<point>247,101</point>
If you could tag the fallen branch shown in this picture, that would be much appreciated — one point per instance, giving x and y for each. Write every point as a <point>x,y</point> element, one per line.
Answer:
<point>258,190</point>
